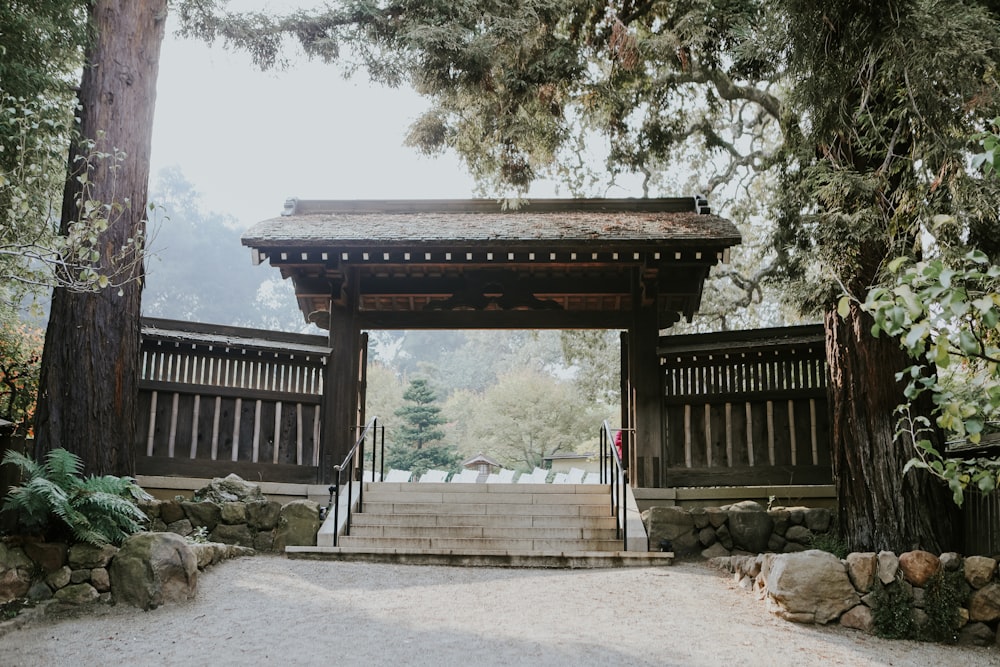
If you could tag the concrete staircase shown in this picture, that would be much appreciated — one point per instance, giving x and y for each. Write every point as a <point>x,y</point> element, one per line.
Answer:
<point>522,525</point>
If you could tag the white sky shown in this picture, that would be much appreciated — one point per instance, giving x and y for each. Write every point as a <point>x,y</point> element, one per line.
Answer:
<point>248,140</point>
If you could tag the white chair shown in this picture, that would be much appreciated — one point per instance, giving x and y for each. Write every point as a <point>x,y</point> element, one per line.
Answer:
<point>467,476</point>
<point>592,478</point>
<point>561,478</point>
<point>506,476</point>
<point>434,476</point>
<point>397,476</point>
<point>536,476</point>
<point>576,476</point>
<point>371,476</point>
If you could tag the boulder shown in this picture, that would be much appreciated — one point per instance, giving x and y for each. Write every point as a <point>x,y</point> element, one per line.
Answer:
<point>263,514</point>
<point>725,539</point>
<point>298,524</point>
<point>100,579</point>
<point>776,543</point>
<point>49,556</point>
<point>232,488</point>
<point>976,634</point>
<point>861,568</point>
<point>860,618</point>
<point>153,569</point>
<point>39,591</point>
<point>87,556</point>
<point>782,520</point>
<point>662,523</point>
<point>715,551</point>
<point>239,534</point>
<point>809,587</point>
<point>888,566</point>
<point>950,561</point>
<point>59,578</point>
<point>234,513</point>
<point>700,517</point>
<point>204,513</point>
<point>797,514</point>
<point>794,547</point>
<point>182,528</point>
<point>150,507</point>
<point>707,536</point>
<point>817,519</point>
<point>799,535</point>
<point>77,594</point>
<point>716,517</point>
<point>264,540</point>
<point>918,566</point>
<point>80,576</point>
<point>171,511</point>
<point>984,604</point>
<point>15,572</point>
<point>750,526</point>
<point>979,570</point>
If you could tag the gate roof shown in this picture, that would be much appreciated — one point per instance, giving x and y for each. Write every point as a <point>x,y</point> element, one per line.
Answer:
<point>549,263</point>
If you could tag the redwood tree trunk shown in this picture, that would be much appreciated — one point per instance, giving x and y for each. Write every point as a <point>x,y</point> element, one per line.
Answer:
<point>88,385</point>
<point>879,507</point>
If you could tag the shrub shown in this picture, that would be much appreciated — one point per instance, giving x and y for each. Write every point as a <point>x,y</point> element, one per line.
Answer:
<point>892,611</point>
<point>55,500</point>
<point>945,593</point>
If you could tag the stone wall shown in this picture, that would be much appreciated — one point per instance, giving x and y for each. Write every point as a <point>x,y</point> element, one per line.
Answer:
<point>816,587</point>
<point>232,511</point>
<point>742,528</point>
<point>38,571</point>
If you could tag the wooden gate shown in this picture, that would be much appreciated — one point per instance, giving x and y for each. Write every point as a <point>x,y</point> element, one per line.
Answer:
<point>746,408</point>
<point>215,400</point>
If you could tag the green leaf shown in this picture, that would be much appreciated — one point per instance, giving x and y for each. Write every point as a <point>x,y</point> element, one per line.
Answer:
<point>844,306</point>
<point>968,343</point>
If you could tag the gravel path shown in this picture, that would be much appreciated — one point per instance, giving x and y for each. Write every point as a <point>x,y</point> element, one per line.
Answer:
<point>268,610</point>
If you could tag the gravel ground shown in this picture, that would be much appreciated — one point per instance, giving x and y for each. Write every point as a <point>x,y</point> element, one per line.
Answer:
<point>268,610</point>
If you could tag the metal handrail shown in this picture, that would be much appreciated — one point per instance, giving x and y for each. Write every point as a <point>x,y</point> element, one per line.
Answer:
<point>354,462</point>
<point>615,472</point>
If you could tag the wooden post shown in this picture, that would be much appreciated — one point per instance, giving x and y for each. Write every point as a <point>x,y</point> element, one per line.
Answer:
<point>644,372</point>
<point>340,390</point>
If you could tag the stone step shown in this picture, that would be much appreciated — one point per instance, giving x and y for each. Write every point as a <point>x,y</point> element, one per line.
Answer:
<point>448,487</point>
<point>479,544</point>
<point>408,531</point>
<point>500,558</point>
<point>506,509</point>
<point>482,520</point>
<point>421,495</point>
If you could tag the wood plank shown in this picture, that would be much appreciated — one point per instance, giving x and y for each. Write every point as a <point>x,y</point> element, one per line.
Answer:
<point>215,427</point>
<point>151,432</point>
<point>202,468</point>
<point>195,417</point>
<point>747,476</point>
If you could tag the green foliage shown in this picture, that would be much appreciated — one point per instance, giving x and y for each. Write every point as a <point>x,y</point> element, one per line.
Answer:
<point>420,416</point>
<point>20,357</point>
<point>832,541</point>
<point>54,499</point>
<point>892,609</point>
<point>945,594</point>
<point>419,461</point>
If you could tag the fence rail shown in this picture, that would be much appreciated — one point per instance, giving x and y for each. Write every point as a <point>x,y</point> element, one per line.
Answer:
<point>745,408</point>
<point>215,399</point>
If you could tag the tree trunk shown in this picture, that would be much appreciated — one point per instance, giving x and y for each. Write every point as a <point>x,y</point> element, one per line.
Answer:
<point>88,385</point>
<point>879,507</point>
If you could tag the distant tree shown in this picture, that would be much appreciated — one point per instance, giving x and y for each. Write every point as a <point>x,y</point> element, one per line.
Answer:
<point>20,359</point>
<point>529,415</point>
<point>421,416</point>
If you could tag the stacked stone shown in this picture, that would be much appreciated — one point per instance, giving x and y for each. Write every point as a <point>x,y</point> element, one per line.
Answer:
<point>743,528</point>
<point>817,587</point>
<point>44,570</point>
<point>233,511</point>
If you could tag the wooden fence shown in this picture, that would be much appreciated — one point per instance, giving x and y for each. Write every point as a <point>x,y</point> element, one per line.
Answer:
<point>746,408</point>
<point>215,400</point>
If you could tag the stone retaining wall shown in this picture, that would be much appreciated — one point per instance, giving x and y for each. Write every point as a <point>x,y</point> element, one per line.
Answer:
<point>817,587</point>
<point>742,528</point>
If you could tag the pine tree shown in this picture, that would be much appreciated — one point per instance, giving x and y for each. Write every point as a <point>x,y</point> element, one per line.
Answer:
<point>421,415</point>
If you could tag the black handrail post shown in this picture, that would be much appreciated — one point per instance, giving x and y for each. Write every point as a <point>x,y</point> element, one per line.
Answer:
<point>381,473</point>
<point>335,491</point>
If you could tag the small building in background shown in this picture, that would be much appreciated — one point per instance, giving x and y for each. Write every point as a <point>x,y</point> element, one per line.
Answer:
<point>482,463</point>
<point>563,462</point>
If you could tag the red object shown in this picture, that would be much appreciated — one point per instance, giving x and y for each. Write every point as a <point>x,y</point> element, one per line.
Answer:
<point>618,443</point>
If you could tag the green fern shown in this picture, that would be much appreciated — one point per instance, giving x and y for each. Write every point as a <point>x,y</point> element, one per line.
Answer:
<point>54,498</point>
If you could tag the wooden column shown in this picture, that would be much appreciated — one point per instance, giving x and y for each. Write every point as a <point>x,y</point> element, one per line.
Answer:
<point>645,376</point>
<point>340,391</point>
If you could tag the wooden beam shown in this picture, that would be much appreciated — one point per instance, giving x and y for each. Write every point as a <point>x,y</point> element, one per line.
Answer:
<point>494,319</point>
